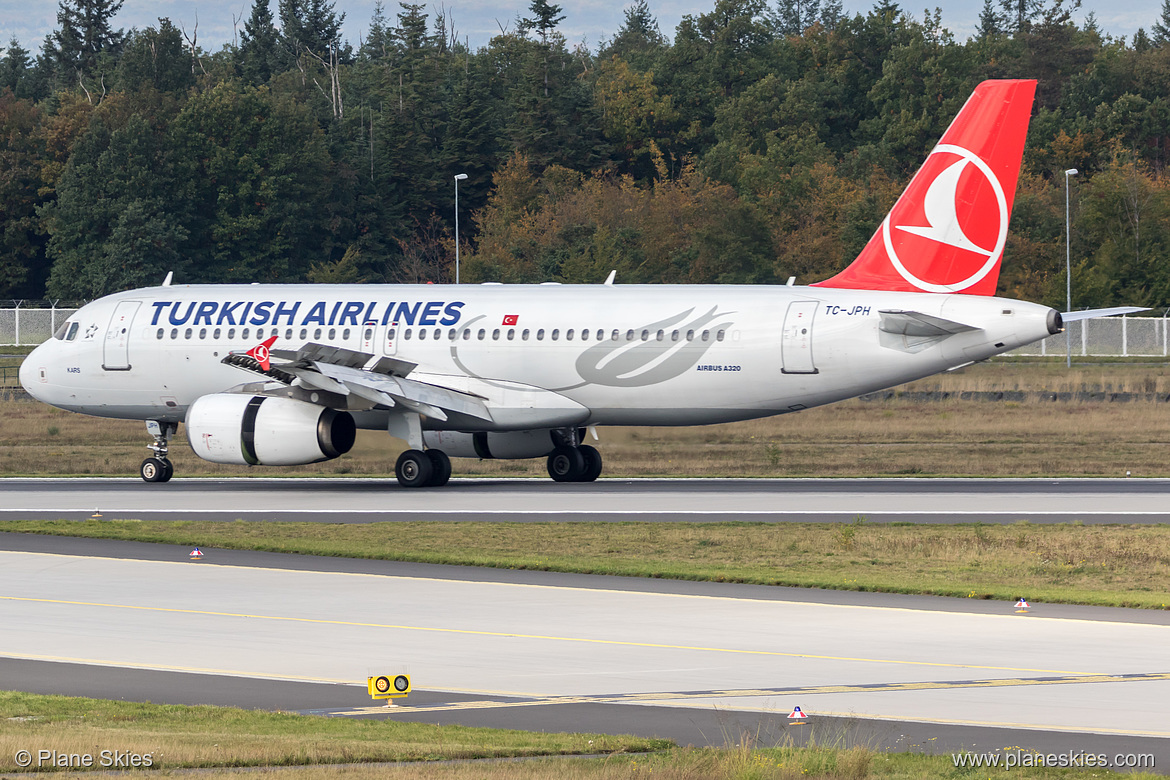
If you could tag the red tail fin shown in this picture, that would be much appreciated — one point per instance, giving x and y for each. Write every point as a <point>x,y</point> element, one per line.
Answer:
<point>947,231</point>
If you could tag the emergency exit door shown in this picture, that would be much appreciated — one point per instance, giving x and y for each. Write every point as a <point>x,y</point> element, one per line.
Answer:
<point>116,354</point>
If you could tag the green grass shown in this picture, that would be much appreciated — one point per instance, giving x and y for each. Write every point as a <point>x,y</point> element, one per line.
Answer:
<point>179,736</point>
<point>1116,565</point>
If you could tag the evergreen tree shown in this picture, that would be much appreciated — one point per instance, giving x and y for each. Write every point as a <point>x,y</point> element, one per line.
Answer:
<point>156,58</point>
<point>793,17</point>
<point>831,13</point>
<point>378,39</point>
<point>989,22</point>
<point>1160,32</point>
<point>1018,15</point>
<point>83,36</point>
<point>14,69</point>
<point>638,41</point>
<point>258,54</point>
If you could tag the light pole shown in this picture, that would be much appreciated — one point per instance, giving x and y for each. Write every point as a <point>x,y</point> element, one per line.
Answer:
<point>1067,266</point>
<point>458,178</point>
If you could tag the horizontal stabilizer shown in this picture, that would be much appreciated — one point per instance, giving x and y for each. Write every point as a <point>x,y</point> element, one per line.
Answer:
<point>1092,314</point>
<point>913,323</point>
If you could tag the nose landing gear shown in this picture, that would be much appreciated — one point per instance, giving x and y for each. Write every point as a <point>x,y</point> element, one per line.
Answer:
<point>158,468</point>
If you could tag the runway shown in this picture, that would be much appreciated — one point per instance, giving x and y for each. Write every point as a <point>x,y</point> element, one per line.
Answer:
<point>691,661</point>
<point>537,500</point>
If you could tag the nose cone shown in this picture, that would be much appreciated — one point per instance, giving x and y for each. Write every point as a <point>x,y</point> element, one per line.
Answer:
<point>32,373</point>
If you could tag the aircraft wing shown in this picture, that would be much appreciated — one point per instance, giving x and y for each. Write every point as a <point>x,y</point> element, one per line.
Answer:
<point>1092,314</point>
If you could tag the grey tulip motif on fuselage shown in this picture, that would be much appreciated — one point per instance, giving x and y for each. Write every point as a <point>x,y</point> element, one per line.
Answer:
<point>638,363</point>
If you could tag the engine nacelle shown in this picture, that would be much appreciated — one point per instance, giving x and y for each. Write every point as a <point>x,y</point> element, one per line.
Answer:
<point>508,445</point>
<point>256,430</point>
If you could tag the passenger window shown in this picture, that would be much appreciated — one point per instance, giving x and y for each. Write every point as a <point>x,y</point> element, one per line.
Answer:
<point>231,333</point>
<point>202,333</point>
<point>496,334</point>
<point>422,334</point>
<point>674,335</point>
<point>482,334</point>
<point>332,333</point>
<point>524,335</point>
<point>569,334</point>
<point>451,334</point>
<point>629,335</point>
<point>466,333</point>
<point>556,333</point>
<point>706,335</point>
<point>244,335</point>
<point>304,334</point>
<point>645,335</point>
<point>614,336</point>
<point>511,334</point>
<point>160,332</point>
<point>174,333</point>
<point>288,333</point>
<point>215,335</point>
<point>317,334</point>
<point>187,335</point>
<point>345,334</point>
<point>661,335</point>
<point>690,335</point>
<point>390,334</point>
<point>438,334</point>
<point>540,335</point>
<point>367,334</point>
<point>719,335</point>
<point>406,334</point>
<point>584,334</point>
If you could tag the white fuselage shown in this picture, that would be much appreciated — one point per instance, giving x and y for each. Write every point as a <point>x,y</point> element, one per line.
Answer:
<point>629,354</point>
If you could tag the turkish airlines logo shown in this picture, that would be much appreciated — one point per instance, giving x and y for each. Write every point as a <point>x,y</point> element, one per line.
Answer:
<point>260,353</point>
<point>511,319</point>
<point>953,235</point>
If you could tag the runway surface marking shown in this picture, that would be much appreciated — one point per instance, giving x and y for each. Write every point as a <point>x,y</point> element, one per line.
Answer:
<point>644,698</point>
<point>587,512</point>
<point>515,635</point>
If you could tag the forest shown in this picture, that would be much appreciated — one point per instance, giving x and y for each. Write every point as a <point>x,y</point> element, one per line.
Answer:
<point>758,141</point>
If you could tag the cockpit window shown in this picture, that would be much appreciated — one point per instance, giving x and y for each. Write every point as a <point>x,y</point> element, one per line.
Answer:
<point>61,331</point>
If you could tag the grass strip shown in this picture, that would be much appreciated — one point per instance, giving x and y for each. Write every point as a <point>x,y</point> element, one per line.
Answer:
<point>177,736</point>
<point>1108,565</point>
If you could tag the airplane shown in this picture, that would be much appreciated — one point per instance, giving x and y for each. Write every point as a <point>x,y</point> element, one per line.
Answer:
<point>278,374</point>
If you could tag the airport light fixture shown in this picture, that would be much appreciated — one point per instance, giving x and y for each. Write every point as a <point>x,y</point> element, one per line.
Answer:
<point>458,178</point>
<point>1068,266</point>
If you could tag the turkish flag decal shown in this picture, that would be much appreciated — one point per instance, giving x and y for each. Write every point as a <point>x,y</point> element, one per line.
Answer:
<point>511,319</point>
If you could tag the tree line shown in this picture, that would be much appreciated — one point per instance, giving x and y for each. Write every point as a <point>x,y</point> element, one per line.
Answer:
<point>763,140</point>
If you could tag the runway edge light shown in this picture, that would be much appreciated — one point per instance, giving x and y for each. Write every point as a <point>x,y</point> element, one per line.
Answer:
<point>797,715</point>
<point>1022,605</point>
<point>195,554</point>
<point>388,686</point>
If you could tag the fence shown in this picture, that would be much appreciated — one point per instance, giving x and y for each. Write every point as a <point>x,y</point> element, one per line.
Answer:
<point>27,327</point>
<point>1106,337</point>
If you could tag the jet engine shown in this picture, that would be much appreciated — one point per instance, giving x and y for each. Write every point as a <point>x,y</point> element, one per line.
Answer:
<point>504,444</point>
<point>265,430</point>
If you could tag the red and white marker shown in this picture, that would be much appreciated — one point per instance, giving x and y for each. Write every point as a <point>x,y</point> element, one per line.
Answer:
<point>797,714</point>
<point>1022,605</point>
<point>196,554</point>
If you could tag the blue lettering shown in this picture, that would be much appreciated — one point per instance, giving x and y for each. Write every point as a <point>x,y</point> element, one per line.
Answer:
<point>262,312</point>
<point>369,316</point>
<point>226,313</point>
<point>350,313</point>
<point>407,313</point>
<point>244,316</point>
<point>389,313</point>
<point>333,313</point>
<point>430,312</point>
<point>285,311</point>
<point>180,320</point>
<point>452,312</point>
<point>316,314</point>
<point>206,309</point>
<point>158,307</point>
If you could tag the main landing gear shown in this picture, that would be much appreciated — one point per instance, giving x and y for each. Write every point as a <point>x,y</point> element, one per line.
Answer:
<point>419,468</point>
<point>574,464</point>
<point>158,468</point>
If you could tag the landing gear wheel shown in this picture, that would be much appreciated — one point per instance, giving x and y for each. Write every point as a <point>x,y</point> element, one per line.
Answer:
<point>414,469</point>
<point>169,470</point>
<point>592,463</point>
<point>566,464</point>
<point>442,468</point>
<point>154,470</point>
